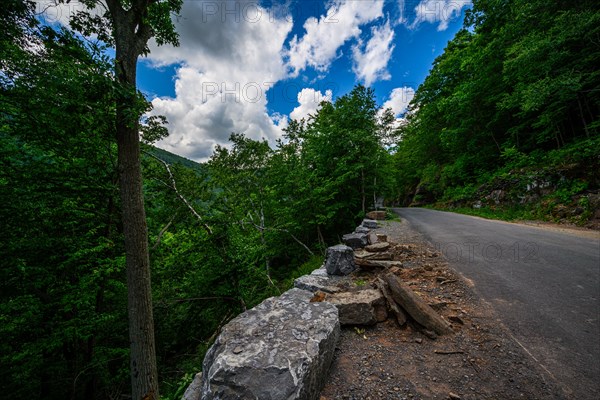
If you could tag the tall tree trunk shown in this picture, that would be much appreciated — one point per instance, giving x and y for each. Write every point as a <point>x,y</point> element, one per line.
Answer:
<point>320,237</point>
<point>132,27</point>
<point>362,189</point>
<point>144,376</point>
<point>375,194</point>
<point>585,127</point>
<point>139,295</point>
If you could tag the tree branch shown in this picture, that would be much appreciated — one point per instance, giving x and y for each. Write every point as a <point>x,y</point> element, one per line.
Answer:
<point>162,232</point>
<point>183,199</point>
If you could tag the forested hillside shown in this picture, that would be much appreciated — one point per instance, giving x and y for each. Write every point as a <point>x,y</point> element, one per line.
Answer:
<point>223,236</point>
<point>511,107</point>
<point>508,115</point>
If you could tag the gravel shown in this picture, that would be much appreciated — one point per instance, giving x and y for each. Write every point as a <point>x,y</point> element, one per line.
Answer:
<point>480,360</point>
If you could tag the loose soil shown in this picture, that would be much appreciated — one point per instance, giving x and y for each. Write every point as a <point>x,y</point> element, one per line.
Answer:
<point>480,360</point>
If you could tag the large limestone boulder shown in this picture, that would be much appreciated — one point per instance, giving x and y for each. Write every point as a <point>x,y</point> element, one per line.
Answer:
<point>355,240</point>
<point>363,307</point>
<point>280,349</point>
<point>339,260</point>
<point>194,390</point>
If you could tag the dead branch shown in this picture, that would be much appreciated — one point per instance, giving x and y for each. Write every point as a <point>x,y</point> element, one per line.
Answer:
<point>183,199</point>
<point>162,232</point>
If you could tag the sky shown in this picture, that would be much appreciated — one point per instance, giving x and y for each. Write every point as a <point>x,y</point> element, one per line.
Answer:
<point>251,66</point>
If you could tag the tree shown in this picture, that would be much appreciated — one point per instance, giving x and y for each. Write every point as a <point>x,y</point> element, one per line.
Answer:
<point>520,78</point>
<point>61,277</point>
<point>131,24</point>
<point>341,145</point>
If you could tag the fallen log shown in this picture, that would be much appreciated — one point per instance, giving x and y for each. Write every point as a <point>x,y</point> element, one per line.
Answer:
<point>415,306</point>
<point>398,312</point>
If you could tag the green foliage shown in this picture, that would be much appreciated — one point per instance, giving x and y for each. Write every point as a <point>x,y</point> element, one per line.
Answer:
<point>174,159</point>
<point>391,216</point>
<point>223,236</point>
<point>360,282</point>
<point>63,321</point>
<point>228,234</point>
<point>176,391</point>
<point>515,93</point>
<point>313,263</point>
<point>265,214</point>
<point>497,213</point>
<point>512,102</point>
<point>344,158</point>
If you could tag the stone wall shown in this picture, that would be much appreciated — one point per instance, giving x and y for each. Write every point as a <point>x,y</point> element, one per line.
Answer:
<point>283,348</point>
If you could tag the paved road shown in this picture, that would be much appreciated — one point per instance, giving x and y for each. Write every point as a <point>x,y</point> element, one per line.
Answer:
<point>544,285</point>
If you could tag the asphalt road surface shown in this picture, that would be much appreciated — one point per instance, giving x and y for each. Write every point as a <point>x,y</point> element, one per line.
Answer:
<point>543,283</point>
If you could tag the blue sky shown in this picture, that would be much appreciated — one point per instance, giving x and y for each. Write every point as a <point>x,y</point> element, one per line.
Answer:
<point>250,66</point>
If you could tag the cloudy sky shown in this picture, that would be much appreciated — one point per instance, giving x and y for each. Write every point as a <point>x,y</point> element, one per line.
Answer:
<point>251,66</point>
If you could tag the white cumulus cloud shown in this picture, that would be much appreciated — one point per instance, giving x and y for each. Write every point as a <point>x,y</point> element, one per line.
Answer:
<point>318,47</point>
<point>231,55</point>
<point>370,61</point>
<point>309,100</point>
<point>399,100</point>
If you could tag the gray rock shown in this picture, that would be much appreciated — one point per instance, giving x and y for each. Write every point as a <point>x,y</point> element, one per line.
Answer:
<point>193,391</point>
<point>370,223</point>
<point>373,238</point>
<point>314,283</point>
<point>280,349</point>
<point>377,247</point>
<point>366,255</point>
<point>363,307</point>
<point>355,240</point>
<point>320,272</point>
<point>362,229</point>
<point>339,260</point>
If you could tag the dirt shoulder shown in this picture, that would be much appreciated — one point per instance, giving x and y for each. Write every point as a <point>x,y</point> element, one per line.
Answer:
<point>480,360</point>
<point>592,231</point>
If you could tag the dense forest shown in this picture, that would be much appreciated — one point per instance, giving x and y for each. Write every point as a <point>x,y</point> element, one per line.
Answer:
<point>512,103</point>
<point>222,236</point>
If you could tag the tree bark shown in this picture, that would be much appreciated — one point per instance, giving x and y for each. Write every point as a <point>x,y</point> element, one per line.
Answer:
<point>585,127</point>
<point>362,189</point>
<point>415,306</point>
<point>144,376</point>
<point>131,35</point>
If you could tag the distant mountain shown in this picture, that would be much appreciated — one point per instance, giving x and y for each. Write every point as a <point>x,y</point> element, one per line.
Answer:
<point>171,159</point>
